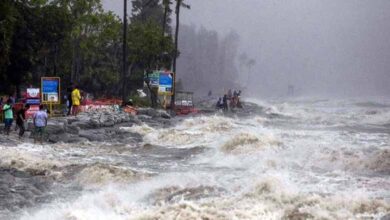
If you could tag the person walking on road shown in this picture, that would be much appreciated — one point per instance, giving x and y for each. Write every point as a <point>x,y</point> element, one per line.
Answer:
<point>40,123</point>
<point>8,116</point>
<point>21,118</point>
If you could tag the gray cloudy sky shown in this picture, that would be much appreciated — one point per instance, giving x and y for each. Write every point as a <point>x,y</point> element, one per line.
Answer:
<point>338,47</point>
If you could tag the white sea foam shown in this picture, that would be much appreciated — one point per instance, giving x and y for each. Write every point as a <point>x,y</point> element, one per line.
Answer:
<point>315,161</point>
<point>267,199</point>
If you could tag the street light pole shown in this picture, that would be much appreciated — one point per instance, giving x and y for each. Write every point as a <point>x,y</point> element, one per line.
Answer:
<point>178,4</point>
<point>124,47</point>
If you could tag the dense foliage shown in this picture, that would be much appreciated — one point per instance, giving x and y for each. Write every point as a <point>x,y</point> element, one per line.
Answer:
<point>82,43</point>
<point>78,41</point>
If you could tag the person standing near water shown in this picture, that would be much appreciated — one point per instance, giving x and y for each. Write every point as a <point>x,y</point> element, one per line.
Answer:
<point>21,118</point>
<point>8,116</point>
<point>40,122</point>
<point>69,100</point>
<point>225,102</point>
<point>76,98</point>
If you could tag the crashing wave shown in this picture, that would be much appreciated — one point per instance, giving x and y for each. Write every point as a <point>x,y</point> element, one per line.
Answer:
<point>246,143</point>
<point>31,162</point>
<point>101,174</point>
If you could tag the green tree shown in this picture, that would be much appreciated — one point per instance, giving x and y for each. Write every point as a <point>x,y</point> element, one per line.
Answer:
<point>101,55</point>
<point>93,47</point>
<point>145,50</point>
<point>148,10</point>
<point>8,19</point>
<point>83,14</point>
<point>80,42</point>
<point>30,30</point>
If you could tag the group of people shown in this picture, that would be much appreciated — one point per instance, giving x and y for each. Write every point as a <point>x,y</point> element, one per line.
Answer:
<point>39,120</point>
<point>73,100</point>
<point>229,100</point>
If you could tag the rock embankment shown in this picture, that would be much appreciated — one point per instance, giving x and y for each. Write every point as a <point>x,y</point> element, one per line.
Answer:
<point>101,125</point>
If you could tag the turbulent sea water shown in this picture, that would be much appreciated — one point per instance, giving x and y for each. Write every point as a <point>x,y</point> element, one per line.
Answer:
<point>302,159</point>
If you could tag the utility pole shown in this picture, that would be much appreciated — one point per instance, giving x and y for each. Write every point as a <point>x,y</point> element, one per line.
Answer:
<point>178,4</point>
<point>124,47</point>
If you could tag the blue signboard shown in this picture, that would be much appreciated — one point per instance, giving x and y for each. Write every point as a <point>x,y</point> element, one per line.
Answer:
<point>165,83</point>
<point>50,85</point>
<point>161,79</point>
<point>33,101</point>
<point>50,90</point>
<point>165,79</point>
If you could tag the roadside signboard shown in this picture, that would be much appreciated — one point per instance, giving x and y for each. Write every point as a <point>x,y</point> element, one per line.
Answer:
<point>33,98</point>
<point>165,83</point>
<point>50,90</point>
<point>33,101</point>
<point>162,81</point>
<point>154,78</point>
<point>31,111</point>
<point>33,93</point>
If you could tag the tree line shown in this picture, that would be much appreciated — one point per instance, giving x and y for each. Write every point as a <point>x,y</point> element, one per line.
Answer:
<point>80,42</point>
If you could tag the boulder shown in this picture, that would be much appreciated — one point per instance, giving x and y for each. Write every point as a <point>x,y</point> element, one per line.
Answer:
<point>93,135</point>
<point>93,123</point>
<point>143,118</point>
<point>76,139</point>
<point>134,120</point>
<point>55,128</point>
<point>154,113</point>
<point>163,114</point>
<point>107,120</point>
<point>72,129</point>
<point>54,138</point>
<point>148,111</point>
<point>85,125</point>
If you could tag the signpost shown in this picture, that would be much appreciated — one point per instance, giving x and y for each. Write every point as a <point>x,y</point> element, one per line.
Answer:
<point>50,91</point>
<point>163,82</point>
<point>33,93</point>
<point>154,78</point>
<point>33,98</point>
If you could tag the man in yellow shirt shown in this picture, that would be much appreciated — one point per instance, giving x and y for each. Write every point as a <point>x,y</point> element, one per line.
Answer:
<point>76,98</point>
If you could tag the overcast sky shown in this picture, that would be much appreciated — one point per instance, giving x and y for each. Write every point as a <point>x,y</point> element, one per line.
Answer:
<point>338,47</point>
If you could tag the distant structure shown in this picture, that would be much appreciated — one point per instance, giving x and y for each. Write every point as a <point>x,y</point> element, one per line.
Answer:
<point>290,90</point>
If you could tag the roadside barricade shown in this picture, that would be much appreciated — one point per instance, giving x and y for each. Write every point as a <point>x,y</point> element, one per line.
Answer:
<point>109,104</point>
<point>131,110</point>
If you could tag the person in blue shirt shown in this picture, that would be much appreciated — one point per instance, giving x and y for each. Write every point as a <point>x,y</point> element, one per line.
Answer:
<point>40,123</point>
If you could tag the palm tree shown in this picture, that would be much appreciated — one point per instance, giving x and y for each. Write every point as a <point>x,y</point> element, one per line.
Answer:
<point>167,10</point>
